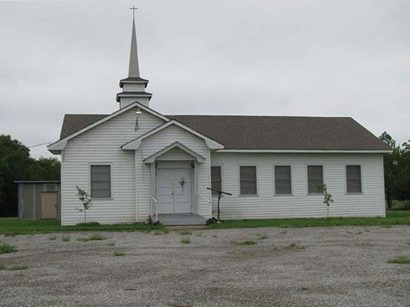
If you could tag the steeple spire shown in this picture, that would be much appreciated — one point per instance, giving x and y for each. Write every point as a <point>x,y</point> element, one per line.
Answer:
<point>134,70</point>
<point>133,87</point>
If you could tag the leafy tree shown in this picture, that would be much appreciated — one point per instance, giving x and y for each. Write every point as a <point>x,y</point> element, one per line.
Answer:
<point>327,197</point>
<point>16,164</point>
<point>85,200</point>
<point>45,169</point>
<point>396,170</point>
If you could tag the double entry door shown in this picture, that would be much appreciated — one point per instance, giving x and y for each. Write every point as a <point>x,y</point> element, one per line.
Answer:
<point>174,190</point>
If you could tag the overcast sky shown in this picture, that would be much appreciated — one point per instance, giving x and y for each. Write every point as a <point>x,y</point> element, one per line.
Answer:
<point>306,57</point>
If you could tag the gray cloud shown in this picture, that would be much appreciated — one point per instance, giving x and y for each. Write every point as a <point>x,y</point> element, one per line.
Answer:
<point>328,58</point>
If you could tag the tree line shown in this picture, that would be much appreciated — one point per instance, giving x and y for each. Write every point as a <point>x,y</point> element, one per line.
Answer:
<point>396,170</point>
<point>16,164</point>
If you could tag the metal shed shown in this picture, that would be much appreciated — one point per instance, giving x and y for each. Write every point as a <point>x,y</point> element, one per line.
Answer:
<point>39,199</point>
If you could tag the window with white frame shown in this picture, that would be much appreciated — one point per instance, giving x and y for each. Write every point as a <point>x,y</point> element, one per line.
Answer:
<point>283,183</point>
<point>353,179</point>
<point>216,179</point>
<point>248,180</point>
<point>315,178</point>
<point>100,181</point>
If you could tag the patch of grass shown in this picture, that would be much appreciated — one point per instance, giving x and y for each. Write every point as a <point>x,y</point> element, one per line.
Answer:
<point>13,227</point>
<point>185,232</point>
<point>246,242</point>
<point>185,240</point>
<point>262,237</point>
<point>119,254</point>
<point>52,238</point>
<point>90,224</point>
<point>400,260</point>
<point>13,267</point>
<point>157,233</point>
<point>95,237</point>
<point>294,246</point>
<point>7,248</point>
<point>394,217</point>
<point>10,234</point>
<point>110,244</point>
<point>65,238</point>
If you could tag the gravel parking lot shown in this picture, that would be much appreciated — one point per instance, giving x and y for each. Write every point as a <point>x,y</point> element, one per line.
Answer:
<point>339,266</point>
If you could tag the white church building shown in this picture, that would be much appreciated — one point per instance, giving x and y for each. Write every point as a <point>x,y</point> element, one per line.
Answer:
<point>137,163</point>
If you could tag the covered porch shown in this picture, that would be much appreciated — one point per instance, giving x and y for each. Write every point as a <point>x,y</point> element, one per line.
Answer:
<point>174,185</point>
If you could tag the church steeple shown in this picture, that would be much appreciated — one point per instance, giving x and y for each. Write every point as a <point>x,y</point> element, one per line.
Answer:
<point>133,87</point>
<point>134,69</point>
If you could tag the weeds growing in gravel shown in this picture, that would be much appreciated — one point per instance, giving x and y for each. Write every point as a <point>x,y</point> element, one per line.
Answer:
<point>246,242</point>
<point>262,237</point>
<point>110,244</point>
<point>295,246</point>
<point>7,248</point>
<point>185,241</point>
<point>119,254</point>
<point>65,239</point>
<point>95,237</point>
<point>13,267</point>
<point>185,232</point>
<point>52,238</point>
<point>400,260</point>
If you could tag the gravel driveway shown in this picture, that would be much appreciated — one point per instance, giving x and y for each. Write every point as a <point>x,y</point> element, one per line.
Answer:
<point>340,266</point>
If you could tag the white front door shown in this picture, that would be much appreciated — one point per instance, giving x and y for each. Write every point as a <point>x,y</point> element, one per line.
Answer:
<point>173,188</point>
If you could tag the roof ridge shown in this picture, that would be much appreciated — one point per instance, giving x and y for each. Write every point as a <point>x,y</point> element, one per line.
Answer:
<point>274,116</point>
<point>79,114</point>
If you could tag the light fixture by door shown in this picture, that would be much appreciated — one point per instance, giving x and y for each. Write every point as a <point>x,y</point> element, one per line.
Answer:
<point>137,115</point>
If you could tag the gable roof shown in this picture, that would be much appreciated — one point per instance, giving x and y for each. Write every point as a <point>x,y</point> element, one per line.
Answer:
<point>135,143</point>
<point>266,132</point>
<point>284,132</point>
<point>75,122</point>
<point>178,145</point>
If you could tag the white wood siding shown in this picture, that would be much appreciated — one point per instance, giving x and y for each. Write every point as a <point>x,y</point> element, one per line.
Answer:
<point>202,171</point>
<point>300,204</point>
<point>102,145</point>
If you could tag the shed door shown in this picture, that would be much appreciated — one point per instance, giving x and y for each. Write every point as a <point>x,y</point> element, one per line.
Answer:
<point>49,205</point>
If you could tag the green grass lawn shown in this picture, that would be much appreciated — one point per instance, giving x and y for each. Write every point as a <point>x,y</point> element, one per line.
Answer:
<point>395,217</point>
<point>12,226</point>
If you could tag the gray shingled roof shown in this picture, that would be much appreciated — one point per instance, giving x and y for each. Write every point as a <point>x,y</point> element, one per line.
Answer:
<point>265,132</point>
<point>75,122</point>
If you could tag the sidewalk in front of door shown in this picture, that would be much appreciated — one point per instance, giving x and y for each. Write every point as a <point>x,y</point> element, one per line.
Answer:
<point>181,219</point>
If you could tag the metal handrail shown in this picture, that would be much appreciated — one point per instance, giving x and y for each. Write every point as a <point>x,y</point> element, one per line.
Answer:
<point>153,199</point>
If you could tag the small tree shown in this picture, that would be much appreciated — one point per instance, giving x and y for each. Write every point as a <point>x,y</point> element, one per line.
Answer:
<point>85,201</point>
<point>327,197</point>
